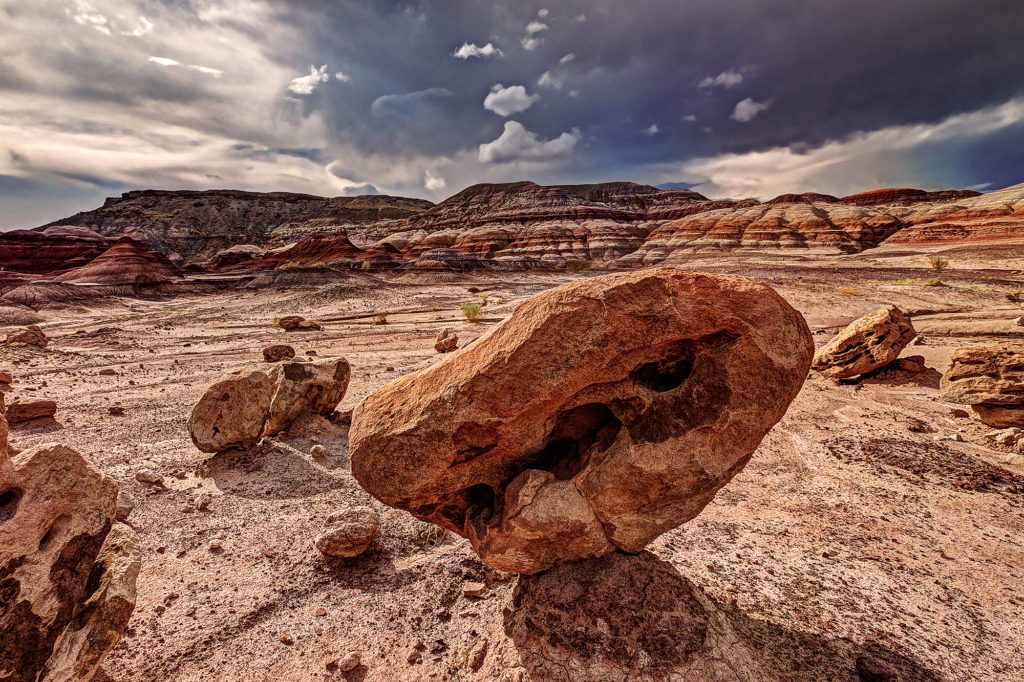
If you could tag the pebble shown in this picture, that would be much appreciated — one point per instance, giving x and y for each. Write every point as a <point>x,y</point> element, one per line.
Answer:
<point>349,662</point>
<point>285,638</point>
<point>318,451</point>
<point>149,476</point>
<point>474,589</point>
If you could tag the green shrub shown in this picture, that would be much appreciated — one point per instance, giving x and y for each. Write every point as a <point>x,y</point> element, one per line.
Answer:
<point>472,311</point>
<point>365,265</point>
<point>933,282</point>
<point>380,317</point>
<point>938,262</point>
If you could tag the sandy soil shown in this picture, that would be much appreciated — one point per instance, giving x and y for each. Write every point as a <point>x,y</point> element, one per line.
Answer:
<point>868,517</point>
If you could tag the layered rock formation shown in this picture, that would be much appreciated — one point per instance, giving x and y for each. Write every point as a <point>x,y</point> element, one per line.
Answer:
<point>199,224</point>
<point>50,251</point>
<point>990,380</point>
<point>127,262</point>
<point>601,414</point>
<point>867,344</point>
<point>995,216</point>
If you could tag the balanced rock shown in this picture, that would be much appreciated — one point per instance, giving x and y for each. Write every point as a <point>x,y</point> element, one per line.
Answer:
<point>990,380</point>
<point>31,335</point>
<point>278,352</point>
<point>55,513</point>
<point>100,620</point>
<point>348,533</point>
<point>868,343</point>
<point>601,414</point>
<point>446,341</point>
<point>314,387</point>
<point>232,412</point>
<point>26,410</point>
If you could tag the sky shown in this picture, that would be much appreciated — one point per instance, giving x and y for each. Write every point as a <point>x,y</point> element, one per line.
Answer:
<point>738,98</point>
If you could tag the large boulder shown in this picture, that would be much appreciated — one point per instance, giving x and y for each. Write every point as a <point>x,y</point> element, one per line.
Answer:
<point>867,344</point>
<point>101,619</point>
<point>55,513</point>
<point>232,412</point>
<point>313,387</point>
<point>31,335</point>
<point>601,414</point>
<point>990,380</point>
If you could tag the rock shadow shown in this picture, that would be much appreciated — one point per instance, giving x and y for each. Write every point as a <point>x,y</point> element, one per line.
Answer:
<point>635,617</point>
<point>268,471</point>
<point>36,426</point>
<point>890,376</point>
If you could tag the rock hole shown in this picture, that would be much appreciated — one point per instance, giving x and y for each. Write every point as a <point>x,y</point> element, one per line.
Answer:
<point>56,531</point>
<point>9,500</point>
<point>481,499</point>
<point>668,372</point>
<point>578,433</point>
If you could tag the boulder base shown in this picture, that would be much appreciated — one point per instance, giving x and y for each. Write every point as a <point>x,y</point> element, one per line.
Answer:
<point>601,414</point>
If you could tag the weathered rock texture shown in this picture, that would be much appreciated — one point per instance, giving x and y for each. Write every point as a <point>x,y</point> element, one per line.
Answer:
<point>995,216</point>
<point>277,352</point>
<point>446,341</point>
<point>21,410</point>
<point>55,513</point>
<point>868,343</point>
<point>29,336</point>
<point>127,262</point>
<point>990,380</point>
<point>49,251</point>
<point>314,387</point>
<point>599,415</point>
<point>348,533</point>
<point>100,620</point>
<point>232,412</point>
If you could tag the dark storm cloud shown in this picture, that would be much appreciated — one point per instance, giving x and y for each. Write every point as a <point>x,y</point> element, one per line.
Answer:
<point>329,97</point>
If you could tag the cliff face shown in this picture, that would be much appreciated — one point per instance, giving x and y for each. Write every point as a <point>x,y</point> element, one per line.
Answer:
<point>195,225</point>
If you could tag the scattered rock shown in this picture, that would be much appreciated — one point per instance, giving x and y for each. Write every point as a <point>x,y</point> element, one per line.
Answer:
<point>5,378</point>
<point>348,533</point>
<point>99,621</point>
<point>31,335</point>
<point>477,654</point>
<point>232,412</point>
<point>115,411</point>
<point>314,387</point>
<point>601,414</point>
<point>956,412</point>
<point>297,323</point>
<point>278,352</point>
<point>914,363</point>
<point>1011,436</point>
<point>349,662</point>
<point>26,410</point>
<point>447,340</point>
<point>286,638</point>
<point>474,589</point>
<point>990,380</point>
<point>107,372</point>
<point>318,451</point>
<point>1019,321</point>
<point>125,506</point>
<point>149,476</point>
<point>868,343</point>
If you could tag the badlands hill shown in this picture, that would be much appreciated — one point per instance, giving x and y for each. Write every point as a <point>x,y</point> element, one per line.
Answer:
<point>198,224</point>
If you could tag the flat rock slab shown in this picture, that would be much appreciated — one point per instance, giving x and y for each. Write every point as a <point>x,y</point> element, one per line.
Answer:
<point>601,414</point>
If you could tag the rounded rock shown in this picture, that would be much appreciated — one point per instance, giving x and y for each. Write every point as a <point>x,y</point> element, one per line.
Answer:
<point>232,412</point>
<point>348,533</point>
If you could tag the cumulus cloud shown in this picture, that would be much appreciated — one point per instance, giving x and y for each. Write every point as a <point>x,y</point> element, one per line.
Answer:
<point>343,77</point>
<point>507,101</point>
<point>746,109</point>
<point>85,14</point>
<point>726,79</point>
<point>473,50</point>
<point>652,129</point>
<point>579,18</point>
<point>408,103</point>
<point>306,85</point>
<point>536,27</point>
<point>567,58</point>
<point>542,13</point>
<point>517,143</point>
<point>433,182</point>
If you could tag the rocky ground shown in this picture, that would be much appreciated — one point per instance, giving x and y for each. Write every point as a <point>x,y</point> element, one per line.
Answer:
<point>872,530</point>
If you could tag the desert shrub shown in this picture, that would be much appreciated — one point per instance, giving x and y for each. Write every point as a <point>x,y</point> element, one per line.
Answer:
<point>472,311</point>
<point>938,262</point>
<point>320,264</point>
<point>289,265</point>
<point>577,265</point>
<point>847,291</point>
<point>365,265</point>
<point>1015,296</point>
<point>276,322</point>
<point>933,282</point>
<point>380,317</point>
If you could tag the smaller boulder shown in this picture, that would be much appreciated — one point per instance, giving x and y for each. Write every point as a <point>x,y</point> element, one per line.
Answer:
<point>278,352</point>
<point>446,341</point>
<point>868,343</point>
<point>5,378</point>
<point>348,533</point>
<point>232,412</point>
<point>990,380</point>
<point>22,411</point>
<point>914,363</point>
<point>315,387</point>
<point>297,323</point>
<point>31,335</point>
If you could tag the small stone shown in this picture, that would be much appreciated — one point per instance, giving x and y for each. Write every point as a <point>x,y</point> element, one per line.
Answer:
<point>349,662</point>
<point>962,414</point>
<point>5,378</point>
<point>108,372</point>
<point>318,451</point>
<point>320,612</point>
<point>216,548</point>
<point>446,341</point>
<point>477,654</point>
<point>348,533</point>
<point>125,506</point>
<point>1019,321</point>
<point>474,589</point>
<point>278,352</point>
<point>285,638</point>
<point>389,368</point>
<point>115,411</point>
<point>31,335</point>
<point>149,476</point>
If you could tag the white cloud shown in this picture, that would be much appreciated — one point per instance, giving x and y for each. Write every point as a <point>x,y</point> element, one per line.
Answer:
<point>542,13</point>
<point>142,28</point>
<point>85,14</point>
<point>343,77</point>
<point>652,129</point>
<point>531,43</point>
<point>551,80</point>
<point>578,19</point>
<point>507,101</point>
<point>164,61</point>
<point>473,50</point>
<point>536,27</point>
<point>747,109</point>
<point>690,118</point>
<point>567,58</point>
<point>726,79</point>
<point>517,143</point>
<point>433,182</point>
<point>878,158</point>
<point>305,85</point>
<point>167,61</point>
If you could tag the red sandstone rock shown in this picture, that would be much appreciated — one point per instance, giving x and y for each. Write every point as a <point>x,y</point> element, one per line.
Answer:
<point>25,410</point>
<point>305,387</point>
<point>50,251</point>
<point>31,335</point>
<point>990,380</point>
<point>994,216</point>
<point>868,343</point>
<point>446,341</point>
<point>599,415</point>
<point>278,352</point>
<point>232,412</point>
<point>126,262</point>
